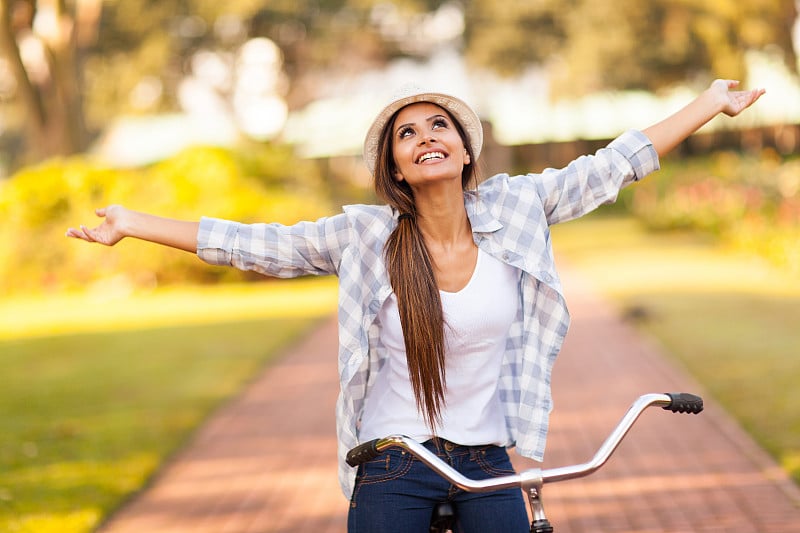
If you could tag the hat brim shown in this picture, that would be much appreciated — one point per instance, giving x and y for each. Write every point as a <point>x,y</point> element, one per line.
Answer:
<point>458,109</point>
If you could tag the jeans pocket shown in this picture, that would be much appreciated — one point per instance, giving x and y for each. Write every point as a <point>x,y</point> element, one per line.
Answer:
<point>494,461</point>
<point>391,464</point>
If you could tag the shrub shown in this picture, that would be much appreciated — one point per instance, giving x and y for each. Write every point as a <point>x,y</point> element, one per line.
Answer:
<point>266,183</point>
<point>750,202</point>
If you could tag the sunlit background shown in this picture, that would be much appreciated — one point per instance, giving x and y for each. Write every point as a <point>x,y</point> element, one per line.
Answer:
<point>256,110</point>
<point>142,91</point>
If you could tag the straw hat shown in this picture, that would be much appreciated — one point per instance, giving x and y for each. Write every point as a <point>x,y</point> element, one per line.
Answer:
<point>411,94</point>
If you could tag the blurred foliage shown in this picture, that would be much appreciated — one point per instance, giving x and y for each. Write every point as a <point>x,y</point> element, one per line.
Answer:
<point>40,202</point>
<point>590,45</point>
<point>96,54</point>
<point>749,201</point>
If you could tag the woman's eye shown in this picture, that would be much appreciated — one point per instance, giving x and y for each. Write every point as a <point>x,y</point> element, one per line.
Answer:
<point>405,132</point>
<point>439,123</point>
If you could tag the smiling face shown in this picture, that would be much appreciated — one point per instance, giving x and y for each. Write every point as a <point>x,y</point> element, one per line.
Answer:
<point>426,145</point>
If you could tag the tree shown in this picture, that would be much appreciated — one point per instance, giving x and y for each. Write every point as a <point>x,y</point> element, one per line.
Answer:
<point>508,36</point>
<point>42,42</point>
<point>588,45</point>
<point>77,64</point>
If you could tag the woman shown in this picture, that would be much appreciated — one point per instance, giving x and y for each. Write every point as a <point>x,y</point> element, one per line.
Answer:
<point>451,312</point>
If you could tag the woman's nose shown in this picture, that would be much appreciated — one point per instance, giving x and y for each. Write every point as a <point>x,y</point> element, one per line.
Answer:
<point>427,138</point>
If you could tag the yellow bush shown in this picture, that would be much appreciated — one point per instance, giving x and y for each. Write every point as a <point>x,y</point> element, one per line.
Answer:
<point>38,203</point>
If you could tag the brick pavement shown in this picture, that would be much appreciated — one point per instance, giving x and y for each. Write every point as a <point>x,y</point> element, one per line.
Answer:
<point>266,462</point>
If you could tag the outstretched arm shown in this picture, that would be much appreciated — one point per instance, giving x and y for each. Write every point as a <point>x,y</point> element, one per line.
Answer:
<point>718,98</point>
<point>119,223</point>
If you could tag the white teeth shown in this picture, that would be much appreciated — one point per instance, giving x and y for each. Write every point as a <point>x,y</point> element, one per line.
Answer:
<point>430,155</point>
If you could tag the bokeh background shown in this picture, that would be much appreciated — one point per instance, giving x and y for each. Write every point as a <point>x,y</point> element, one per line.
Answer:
<point>256,111</point>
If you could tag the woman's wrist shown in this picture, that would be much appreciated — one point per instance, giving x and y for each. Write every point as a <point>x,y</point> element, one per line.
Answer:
<point>132,223</point>
<point>714,101</point>
<point>119,217</point>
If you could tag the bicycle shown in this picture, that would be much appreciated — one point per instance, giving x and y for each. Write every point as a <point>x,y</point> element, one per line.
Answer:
<point>531,481</point>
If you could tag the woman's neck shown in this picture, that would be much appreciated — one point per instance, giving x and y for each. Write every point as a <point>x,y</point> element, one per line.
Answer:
<point>442,218</point>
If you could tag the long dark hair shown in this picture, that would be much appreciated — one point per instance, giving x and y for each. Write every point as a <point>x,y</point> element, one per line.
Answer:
<point>411,274</point>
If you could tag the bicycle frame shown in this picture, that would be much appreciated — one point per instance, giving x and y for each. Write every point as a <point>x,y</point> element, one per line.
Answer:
<point>532,480</point>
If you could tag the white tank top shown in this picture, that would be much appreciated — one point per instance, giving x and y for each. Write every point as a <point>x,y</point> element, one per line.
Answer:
<point>477,319</point>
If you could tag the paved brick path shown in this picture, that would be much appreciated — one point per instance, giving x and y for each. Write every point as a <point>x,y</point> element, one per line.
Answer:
<point>266,462</point>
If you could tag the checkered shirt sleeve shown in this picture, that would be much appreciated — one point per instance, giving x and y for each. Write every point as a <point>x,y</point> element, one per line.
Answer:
<point>274,249</point>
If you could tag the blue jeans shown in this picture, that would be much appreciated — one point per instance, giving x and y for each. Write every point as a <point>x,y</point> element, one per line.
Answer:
<point>396,492</point>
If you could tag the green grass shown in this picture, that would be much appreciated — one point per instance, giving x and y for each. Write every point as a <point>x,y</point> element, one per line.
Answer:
<point>730,319</point>
<point>87,417</point>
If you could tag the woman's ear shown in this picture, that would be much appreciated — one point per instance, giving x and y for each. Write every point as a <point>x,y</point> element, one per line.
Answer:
<point>467,159</point>
<point>398,176</point>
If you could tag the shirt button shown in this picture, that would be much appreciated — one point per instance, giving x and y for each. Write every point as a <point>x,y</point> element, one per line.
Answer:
<point>505,256</point>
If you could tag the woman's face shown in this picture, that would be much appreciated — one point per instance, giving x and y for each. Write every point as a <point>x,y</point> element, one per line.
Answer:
<point>426,145</point>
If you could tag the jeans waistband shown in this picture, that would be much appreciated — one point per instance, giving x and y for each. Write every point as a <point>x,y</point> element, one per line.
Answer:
<point>444,447</point>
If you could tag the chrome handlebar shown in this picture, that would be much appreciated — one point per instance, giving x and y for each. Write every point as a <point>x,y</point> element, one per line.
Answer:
<point>676,402</point>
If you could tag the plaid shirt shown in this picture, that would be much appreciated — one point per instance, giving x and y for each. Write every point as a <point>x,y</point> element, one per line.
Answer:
<point>510,218</point>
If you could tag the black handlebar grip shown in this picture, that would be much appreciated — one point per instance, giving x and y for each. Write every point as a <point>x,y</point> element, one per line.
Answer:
<point>363,453</point>
<point>683,402</point>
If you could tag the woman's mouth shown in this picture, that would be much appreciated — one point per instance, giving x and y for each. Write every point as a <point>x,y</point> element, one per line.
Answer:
<point>427,156</point>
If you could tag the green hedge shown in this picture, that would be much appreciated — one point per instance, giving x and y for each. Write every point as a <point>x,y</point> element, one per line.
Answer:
<point>259,183</point>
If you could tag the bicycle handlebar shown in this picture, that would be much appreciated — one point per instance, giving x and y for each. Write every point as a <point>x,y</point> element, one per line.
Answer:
<point>675,402</point>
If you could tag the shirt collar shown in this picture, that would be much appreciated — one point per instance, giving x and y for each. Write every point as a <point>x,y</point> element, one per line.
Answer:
<point>480,216</point>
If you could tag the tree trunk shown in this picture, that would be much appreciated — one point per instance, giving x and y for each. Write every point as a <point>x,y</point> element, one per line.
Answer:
<point>53,105</point>
<point>27,92</point>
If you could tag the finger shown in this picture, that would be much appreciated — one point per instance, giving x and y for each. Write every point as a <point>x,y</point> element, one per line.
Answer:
<point>753,95</point>
<point>100,211</point>
<point>741,100</point>
<point>724,85</point>
<point>76,234</point>
<point>88,234</point>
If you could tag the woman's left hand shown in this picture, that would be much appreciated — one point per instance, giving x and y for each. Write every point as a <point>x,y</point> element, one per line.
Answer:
<point>733,102</point>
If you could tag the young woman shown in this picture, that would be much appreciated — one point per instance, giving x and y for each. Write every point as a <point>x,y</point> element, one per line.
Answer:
<point>451,312</point>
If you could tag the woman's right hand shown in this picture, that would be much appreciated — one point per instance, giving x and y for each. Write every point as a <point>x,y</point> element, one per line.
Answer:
<point>109,232</point>
<point>733,102</point>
